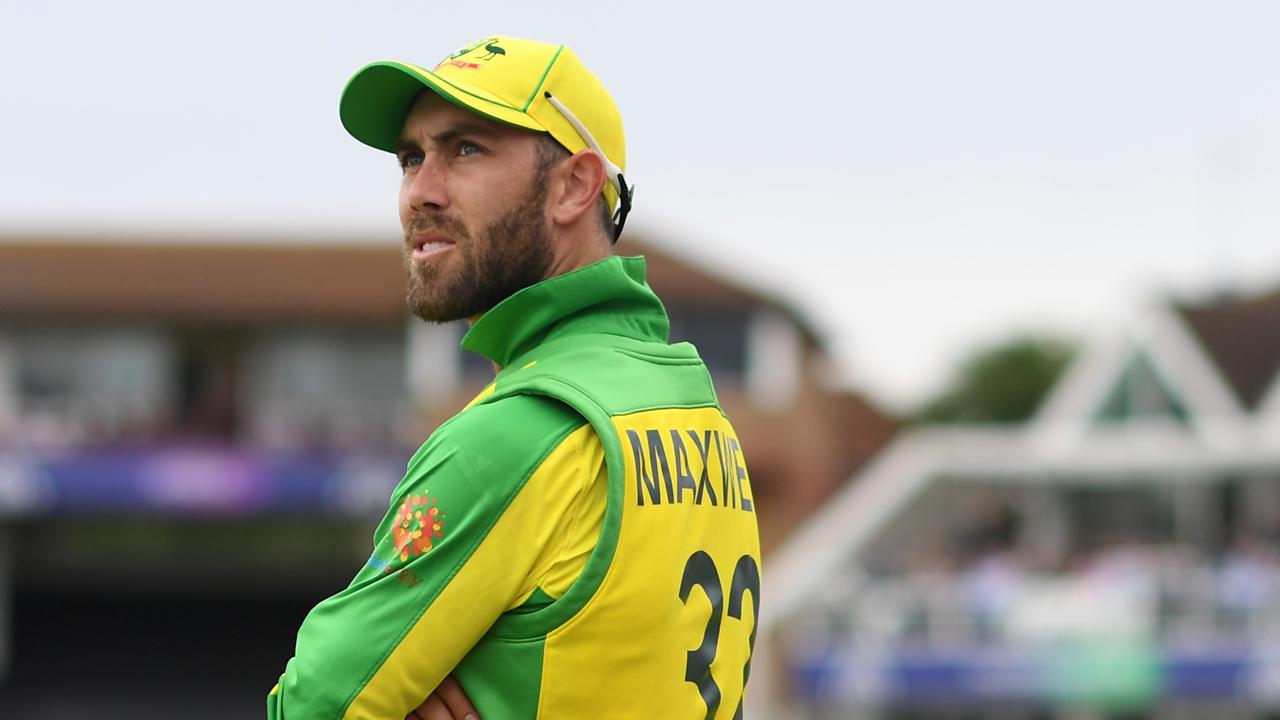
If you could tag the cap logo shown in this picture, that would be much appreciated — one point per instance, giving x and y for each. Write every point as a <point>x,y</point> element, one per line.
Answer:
<point>492,50</point>
<point>468,48</point>
<point>490,47</point>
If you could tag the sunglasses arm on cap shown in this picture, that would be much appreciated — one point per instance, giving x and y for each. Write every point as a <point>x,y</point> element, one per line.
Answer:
<point>613,172</point>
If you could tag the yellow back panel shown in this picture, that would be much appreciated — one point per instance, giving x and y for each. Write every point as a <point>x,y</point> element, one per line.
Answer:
<point>668,633</point>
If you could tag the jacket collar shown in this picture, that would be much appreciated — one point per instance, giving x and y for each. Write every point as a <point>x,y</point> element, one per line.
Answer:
<point>610,296</point>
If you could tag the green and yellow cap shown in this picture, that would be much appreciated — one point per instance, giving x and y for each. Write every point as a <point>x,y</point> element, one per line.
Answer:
<point>529,84</point>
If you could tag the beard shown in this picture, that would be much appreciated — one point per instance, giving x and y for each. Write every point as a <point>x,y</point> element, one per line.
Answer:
<point>507,255</point>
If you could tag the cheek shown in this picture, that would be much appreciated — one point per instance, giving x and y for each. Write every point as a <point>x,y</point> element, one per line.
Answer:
<point>503,192</point>
<point>402,203</point>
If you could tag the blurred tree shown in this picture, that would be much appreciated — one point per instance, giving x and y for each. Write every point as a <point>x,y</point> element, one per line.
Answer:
<point>1002,383</point>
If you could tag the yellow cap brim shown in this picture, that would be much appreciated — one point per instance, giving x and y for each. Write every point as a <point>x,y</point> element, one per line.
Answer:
<point>378,98</point>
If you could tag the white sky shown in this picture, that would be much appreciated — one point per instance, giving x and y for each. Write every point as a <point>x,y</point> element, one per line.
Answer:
<point>918,177</point>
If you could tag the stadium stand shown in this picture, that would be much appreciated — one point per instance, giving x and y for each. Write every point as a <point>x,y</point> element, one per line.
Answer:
<point>1118,556</point>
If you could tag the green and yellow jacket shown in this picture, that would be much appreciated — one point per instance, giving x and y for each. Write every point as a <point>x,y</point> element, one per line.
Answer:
<point>580,541</point>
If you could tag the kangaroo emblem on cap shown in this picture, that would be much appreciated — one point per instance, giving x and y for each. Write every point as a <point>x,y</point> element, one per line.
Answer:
<point>468,48</point>
<point>493,49</point>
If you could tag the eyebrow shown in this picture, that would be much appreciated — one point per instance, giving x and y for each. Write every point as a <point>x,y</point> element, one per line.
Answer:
<point>447,135</point>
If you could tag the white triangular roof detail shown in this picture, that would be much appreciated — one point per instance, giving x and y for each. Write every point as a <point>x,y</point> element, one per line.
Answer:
<point>1212,406</point>
<point>1267,415</point>
<point>1175,355</point>
<point>1068,411</point>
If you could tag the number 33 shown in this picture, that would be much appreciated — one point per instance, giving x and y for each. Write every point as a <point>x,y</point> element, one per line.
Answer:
<point>700,570</point>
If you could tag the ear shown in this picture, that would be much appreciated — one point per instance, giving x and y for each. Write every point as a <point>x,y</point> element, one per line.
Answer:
<point>579,181</point>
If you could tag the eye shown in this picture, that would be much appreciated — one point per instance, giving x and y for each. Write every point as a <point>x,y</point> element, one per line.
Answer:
<point>409,159</point>
<point>466,147</point>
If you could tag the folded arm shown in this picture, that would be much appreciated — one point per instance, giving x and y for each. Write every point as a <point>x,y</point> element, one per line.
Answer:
<point>455,550</point>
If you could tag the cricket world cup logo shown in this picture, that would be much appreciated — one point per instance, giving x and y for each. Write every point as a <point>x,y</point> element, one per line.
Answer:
<point>417,522</point>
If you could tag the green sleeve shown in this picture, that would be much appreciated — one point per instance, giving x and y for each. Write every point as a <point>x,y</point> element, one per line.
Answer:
<point>456,489</point>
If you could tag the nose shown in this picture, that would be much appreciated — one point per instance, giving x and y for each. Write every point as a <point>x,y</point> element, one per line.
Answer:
<point>426,189</point>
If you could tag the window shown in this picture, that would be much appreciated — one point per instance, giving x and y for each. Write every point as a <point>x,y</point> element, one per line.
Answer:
<point>78,384</point>
<point>327,387</point>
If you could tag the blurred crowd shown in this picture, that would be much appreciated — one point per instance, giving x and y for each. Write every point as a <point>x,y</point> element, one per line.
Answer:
<point>1168,591</point>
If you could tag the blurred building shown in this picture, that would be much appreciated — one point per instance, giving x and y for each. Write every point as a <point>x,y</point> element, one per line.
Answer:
<point>196,440</point>
<point>1118,556</point>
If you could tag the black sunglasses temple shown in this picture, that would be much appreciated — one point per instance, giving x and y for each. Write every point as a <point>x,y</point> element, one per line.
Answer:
<point>624,207</point>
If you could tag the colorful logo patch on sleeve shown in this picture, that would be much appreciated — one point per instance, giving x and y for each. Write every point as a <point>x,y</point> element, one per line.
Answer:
<point>418,523</point>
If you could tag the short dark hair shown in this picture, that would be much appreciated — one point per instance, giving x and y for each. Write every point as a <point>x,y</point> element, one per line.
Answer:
<point>549,153</point>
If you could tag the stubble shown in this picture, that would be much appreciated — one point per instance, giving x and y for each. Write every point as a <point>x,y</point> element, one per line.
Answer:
<point>511,253</point>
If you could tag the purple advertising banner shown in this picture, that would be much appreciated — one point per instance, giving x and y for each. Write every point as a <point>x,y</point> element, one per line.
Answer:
<point>201,479</point>
<point>847,678</point>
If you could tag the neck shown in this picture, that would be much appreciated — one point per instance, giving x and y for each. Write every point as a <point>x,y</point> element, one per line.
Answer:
<point>577,250</point>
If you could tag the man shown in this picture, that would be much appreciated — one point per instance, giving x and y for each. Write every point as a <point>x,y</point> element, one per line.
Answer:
<point>580,540</point>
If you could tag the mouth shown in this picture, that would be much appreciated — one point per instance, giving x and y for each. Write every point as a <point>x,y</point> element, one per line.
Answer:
<point>429,245</point>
